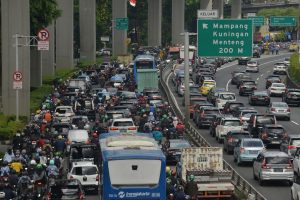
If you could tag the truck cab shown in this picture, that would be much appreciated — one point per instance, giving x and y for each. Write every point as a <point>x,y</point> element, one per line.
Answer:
<point>227,124</point>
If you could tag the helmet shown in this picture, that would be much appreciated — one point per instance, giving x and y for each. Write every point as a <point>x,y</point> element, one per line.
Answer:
<point>33,162</point>
<point>51,162</point>
<point>23,151</point>
<point>151,113</point>
<point>18,134</point>
<point>192,177</point>
<point>38,111</point>
<point>175,118</point>
<point>39,166</point>
<point>59,137</point>
<point>164,116</point>
<point>95,135</point>
<point>168,169</point>
<point>180,188</point>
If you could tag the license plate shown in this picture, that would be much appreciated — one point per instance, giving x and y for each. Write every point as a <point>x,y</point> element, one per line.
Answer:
<point>281,110</point>
<point>123,130</point>
<point>277,170</point>
<point>275,142</point>
<point>253,152</point>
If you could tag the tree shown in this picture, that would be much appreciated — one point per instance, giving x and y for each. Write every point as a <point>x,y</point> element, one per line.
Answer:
<point>42,14</point>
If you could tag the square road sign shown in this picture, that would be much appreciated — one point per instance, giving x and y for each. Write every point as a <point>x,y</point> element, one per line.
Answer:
<point>225,37</point>
<point>121,23</point>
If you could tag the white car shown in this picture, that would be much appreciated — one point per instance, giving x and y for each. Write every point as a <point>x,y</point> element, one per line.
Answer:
<point>77,136</point>
<point>252,66</point>
<point>87,173</point>
<point>287,61</point>
<point>227,124</point>
<point>280,68</point>
<point>224,97</point>
<point>276,89</point>
<point>181,87</point>
<point>123,125</point>
<point>63,112</point>
<point>295,189</point>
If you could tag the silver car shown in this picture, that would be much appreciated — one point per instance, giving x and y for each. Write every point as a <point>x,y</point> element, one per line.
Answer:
<point>252,66</point>
<point>280,110</point>
<point>273,165</point>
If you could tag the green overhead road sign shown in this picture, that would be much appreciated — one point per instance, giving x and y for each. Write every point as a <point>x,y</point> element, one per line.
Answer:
<point>257,20</point>
<point>225,37</point>
<point>121,23</point>
<point>283,21</point>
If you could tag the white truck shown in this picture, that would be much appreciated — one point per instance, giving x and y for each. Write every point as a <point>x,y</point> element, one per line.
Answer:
<point>227,124</point>
<point>206,164</point>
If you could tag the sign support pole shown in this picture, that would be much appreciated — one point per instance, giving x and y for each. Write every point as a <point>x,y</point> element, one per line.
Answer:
<point>17,69</point>
<point>186,78</point>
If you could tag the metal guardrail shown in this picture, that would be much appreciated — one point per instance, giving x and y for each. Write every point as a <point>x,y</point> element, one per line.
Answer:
<point>239,182</point>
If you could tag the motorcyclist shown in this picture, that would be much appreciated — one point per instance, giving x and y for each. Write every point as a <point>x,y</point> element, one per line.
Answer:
<point>151,117</point>
<point>17,141</point>
<point>179,194</point>
<point>170,189</point>
<point>24,156</point>
<point>13,179</point>
<point>16,165</point>
<point>95,138</point>
<point>8,191</point>
<point>31,167</point>
<point>5,170</point>
<point>52,169</point>
<point>173,178</point>
<point>157,135</point>
<point>43,158</point>
<point>60,144</point>
<point>191,187</point>
<point>40,174</point>
<point>23,183</point>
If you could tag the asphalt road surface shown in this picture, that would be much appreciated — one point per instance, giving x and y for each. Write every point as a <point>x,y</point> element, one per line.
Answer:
<point>272,190</point>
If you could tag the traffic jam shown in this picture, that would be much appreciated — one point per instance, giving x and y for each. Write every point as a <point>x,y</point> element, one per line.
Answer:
<point>105,132</point>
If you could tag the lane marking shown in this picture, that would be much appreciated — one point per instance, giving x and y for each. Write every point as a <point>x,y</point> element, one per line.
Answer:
<point>268,71</point>
<point>262,75</point>
<point>227,85</point>
<point>257,78</point>
<point>295,123</point>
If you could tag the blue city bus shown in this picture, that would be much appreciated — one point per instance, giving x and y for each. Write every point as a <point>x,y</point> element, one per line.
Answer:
<point>132,167</point>
<point>143,62</point>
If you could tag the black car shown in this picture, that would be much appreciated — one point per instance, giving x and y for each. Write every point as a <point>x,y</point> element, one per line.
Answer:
<point>257,121</point>
<point>204,117</point>
<point>272,79</point>
<point>272,134</point>
<point>243,60</point>
<point>232,138</point>
<point>256,53</point>
<point>259,98</point>
<point>173,150</point>
<point>242,78</point>
<point>65,189</point>
<point>230,106</point>
<point>247,87</point>
<point>83,152</point>
<point>235,75</point>
<point>292,96</point>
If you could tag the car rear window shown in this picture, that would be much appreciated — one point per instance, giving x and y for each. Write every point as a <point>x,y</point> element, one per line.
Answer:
<point>265,120</point>
<point>277,160</point>
<point>123,123</point>
<point>232,123</point>
<point>252,143</point>
<point>296,142</point>
<point>227,96</point>
<point>211,112</point>
<point>295,94</point>
<point>277,130</point>
<point>86,170</point>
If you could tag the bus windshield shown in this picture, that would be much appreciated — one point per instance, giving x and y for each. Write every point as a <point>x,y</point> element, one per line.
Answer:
<point>144,64</point>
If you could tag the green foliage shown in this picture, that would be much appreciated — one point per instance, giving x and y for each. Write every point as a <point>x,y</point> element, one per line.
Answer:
<point>42,14</point>
<point>8,126</point>
<point>294,69</point>
<point>290,11</point>
<point>38,95</point>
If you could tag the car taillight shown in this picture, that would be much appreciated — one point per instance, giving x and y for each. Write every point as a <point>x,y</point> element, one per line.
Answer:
<point>285,135</point>
<point>288,110</point>
<point>114,128</point>
<point>80,195</point>
<point>264,165</point>
<point>264,136</point>
<point>242,150</point>
<point>273,109</point>
<point>292,147</point>
<point>97,177</point>
<point>132,128</point>
<point>254,88</point>
<point>71,177</point>
<point>230,139</point>
<point>290,166</point>
<point>48,196</point>
<point>202,115</point>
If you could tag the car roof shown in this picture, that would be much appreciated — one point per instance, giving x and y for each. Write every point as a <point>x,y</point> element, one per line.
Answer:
<point>273,126</point>
<point>83,164</point>
<point>294,136</point>
<point>123,119</point>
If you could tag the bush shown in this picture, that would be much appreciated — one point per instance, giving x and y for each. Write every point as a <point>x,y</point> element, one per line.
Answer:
<point>8,126</point>
<point>294,69</point>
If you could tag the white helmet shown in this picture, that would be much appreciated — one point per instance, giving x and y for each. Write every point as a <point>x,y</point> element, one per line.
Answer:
<point>33,162</point>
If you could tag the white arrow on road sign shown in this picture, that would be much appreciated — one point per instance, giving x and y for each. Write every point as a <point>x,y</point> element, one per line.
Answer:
<point>205,26</point>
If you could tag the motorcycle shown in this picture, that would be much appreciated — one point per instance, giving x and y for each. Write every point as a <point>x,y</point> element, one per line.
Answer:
<point>39,187</point>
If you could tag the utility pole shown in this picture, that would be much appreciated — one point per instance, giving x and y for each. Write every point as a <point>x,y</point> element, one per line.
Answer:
<point>187,76</point>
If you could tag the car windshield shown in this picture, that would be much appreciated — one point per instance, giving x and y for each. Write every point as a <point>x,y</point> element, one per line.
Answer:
<point>84,170</point>
<point>265,120</point>
<point>248,113</point>
<point>249,83</point>
<point>232,123</point>
<point>123,123</point>
<point>209,84</point>
<point>212,112</point>
<point>277,160</point>
<point>227,96</point>
<point>252,143</point>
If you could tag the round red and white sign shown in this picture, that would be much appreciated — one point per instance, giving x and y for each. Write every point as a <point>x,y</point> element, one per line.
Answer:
<point>18,76</point>
<point>43,35</point>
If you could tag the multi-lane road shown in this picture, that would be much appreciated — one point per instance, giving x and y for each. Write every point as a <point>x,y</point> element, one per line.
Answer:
<point>272,190</point>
